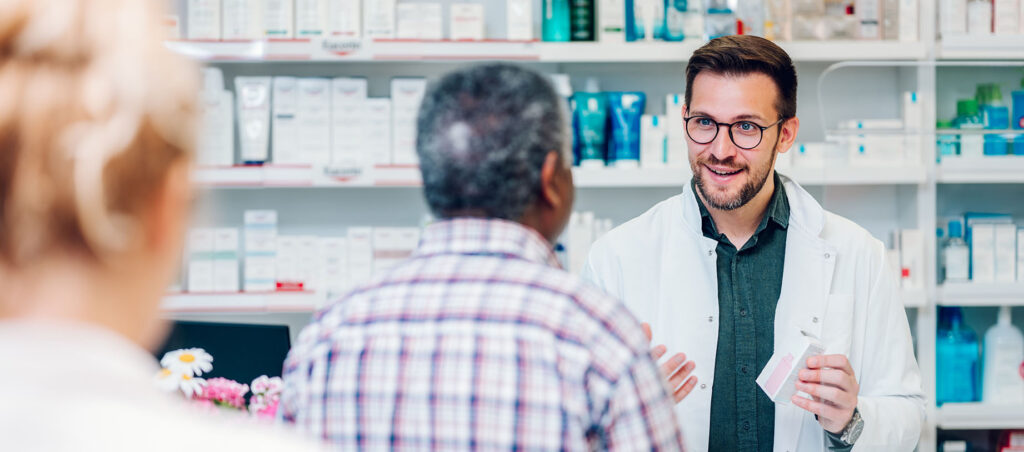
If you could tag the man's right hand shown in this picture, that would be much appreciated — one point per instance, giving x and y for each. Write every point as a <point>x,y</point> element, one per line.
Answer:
<point>675,370</point>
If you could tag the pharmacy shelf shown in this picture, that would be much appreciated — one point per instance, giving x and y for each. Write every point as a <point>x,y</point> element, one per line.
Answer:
<point>242,302</point>
<point>980,416</point>
<point>289,176</point>
<point>984,170</point>
<point>333,50</point>
<point>854,175</point>
<point>981,294</point>
<point>974,47</point>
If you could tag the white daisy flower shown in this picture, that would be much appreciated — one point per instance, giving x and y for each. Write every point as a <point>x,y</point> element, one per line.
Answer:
<point>167,380</point>
<point>190,361</point>
<point>191,386</point>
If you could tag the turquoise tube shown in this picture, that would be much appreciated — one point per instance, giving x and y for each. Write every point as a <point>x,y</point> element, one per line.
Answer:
<point>591,121</point>
<point>556,21</point>
<point>625,110</point>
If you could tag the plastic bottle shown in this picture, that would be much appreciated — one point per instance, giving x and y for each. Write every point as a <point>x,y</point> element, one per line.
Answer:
<point>956,365</point>
<point>1004,352</point>
<point>555,24</point>
<point>971,145</point>
<point>955,254</point>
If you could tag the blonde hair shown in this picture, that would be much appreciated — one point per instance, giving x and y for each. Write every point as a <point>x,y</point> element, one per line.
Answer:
<point>93,112</point>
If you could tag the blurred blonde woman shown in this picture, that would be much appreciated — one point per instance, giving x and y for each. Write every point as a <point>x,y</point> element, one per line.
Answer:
<point>96,139</point>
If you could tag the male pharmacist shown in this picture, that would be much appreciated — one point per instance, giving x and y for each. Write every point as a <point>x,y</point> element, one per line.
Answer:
<point>741,262</point>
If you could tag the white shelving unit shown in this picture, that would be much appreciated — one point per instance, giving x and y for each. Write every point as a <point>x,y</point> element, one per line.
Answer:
<point>980,294</point>
<point>986,170</point>
<point>980,416</point>
<point>974,47</point>
<point>268,302</point>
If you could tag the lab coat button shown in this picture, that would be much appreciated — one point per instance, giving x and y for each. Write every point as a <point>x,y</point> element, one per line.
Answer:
<point>815,320</point>
<point>711,252</point>
<point>703,386</point>
<point>711,319</point>
<point>828,256</point>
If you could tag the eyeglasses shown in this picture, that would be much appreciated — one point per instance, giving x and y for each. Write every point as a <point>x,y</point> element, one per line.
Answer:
<point>744,134</point>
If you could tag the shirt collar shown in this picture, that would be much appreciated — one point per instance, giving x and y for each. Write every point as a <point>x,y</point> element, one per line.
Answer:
<point>777,211</point>
<point>486,236</point>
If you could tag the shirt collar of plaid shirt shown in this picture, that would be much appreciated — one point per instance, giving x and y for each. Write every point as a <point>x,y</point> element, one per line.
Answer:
<point>483,236</point>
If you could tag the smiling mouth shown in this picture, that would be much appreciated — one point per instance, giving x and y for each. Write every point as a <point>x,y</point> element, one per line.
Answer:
<point>723,173</point>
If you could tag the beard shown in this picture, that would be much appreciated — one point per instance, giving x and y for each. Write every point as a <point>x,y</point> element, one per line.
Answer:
<point>756,179</point>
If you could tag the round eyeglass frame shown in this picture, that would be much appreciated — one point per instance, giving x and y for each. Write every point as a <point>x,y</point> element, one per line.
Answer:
<point>718,126</point>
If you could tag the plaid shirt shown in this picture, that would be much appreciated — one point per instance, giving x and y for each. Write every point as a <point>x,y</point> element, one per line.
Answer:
<point>479,341</point>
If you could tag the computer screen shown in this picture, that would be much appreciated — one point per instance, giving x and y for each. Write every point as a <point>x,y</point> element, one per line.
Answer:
<point>241,352</point>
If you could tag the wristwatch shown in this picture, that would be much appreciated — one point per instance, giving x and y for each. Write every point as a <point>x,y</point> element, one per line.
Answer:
<point>853,429</point>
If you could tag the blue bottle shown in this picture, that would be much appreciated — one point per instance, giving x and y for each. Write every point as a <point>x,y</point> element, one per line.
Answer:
<point>956,365</point>
<point>625,110</point>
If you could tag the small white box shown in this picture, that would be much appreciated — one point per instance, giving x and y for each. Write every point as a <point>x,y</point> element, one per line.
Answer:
<point>869,15</point>
<point>379,19</point>
<point>419,21</point>
<point>225,261</point>
<point>377,129</point>
<point>407,21</point>
<point>204,20</point>
<point>242,20</point>
<point>310,18</point>
<point>519,20</point>
<point>779,377</point>
<point>912,258</point>
<point>431,22</point>
<point>287,273</point>
<point>467,22</point>
<point>360,254</point>
<point>908,20</point>
<point>678,156</point>
<point>279,18</point>
<point>260,274</point>
<point>217,139</point>
<point>345,18</point>
<point>260,250</point>
<point>314,120</point>
<point>348,135</point>
<point>334,276</point>
<point>983,259</point>
<point>406,96</point>
<point>1006,17</point>
<point>284,121</point>
<point>1006,253</point>
<point>200,260</point>
<point>653,142</point>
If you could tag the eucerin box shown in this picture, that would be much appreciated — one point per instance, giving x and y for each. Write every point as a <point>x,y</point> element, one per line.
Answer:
<point>242,20</point>
<point>348,135</point>
<point>406,96</point>
<point>309,264</point>
<point>377,130</point>
<point>467,23</point>
<point>225,260</point>
<point>285,126</point>
<point>779,377</point>
<point>260,250</point>
<point>334,271</point>
<point>200,260</point>
<point>315,120</point>
<point>379,19</point>
<point>203,19</point>
<point>279,18</point>
<point>1006,253</point>
<point>345,18</point>
<point>217,139</point>
<point>310,18</point>
<point>360,254</point>
<point>287,263</point>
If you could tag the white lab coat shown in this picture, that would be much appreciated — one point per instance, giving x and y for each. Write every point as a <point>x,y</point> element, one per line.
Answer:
<point>836,284</point>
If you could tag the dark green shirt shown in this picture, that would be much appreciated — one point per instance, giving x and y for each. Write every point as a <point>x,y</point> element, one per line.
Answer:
<point>749,284</point>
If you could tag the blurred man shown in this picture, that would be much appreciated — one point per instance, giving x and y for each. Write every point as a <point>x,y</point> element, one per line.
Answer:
<point>480,341</point>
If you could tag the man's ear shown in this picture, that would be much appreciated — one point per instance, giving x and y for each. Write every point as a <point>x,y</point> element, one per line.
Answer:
<point>551,180</point>
<point>787,134</point>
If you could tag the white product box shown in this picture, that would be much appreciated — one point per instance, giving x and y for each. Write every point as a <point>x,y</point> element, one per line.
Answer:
<point>204,20</point>
<point>1006,253</point>
<point>1006,17</point>
<point>345,18</point>
<point>285,124</point>
<point>406,96</point>
<point>983,253</point>
<point>467,22</point>
<point>348,136</point>
<point>379,19</point>
<point>407,21</point>
<point>253,116</point>
<point>288,275</point>
<point>779,377</point>
<point>952,17</point>
<point>1020,254</point>
<point>653,142</point>
<point>200,260</point>
<point>217,139</point>
<point>377,129</point>
<point>225,260</point>
<point>519,20</point>
<point>908,20</point>
<point>260,250</point>
<point>279,18</point>
<point>869,15</point>
<point>309,268</point>
<point>360,254</point>
<point>419,21</point>
<point>611,21</point>
<point>310,18</point>
<point>678,156</point>
<point>912,111</point>
<point>242,20</point>
<point>314,120</point>
<point>334,274</point>
<point>392,246</point>
<point>912,258</point>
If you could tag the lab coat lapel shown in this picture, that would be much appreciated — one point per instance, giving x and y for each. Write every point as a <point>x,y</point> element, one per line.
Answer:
<point>806,282</point>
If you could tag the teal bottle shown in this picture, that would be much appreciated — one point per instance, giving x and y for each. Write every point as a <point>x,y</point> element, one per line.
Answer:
<point>957,357</point>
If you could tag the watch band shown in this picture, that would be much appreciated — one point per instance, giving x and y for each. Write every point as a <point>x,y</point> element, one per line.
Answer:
<point>853,429</point>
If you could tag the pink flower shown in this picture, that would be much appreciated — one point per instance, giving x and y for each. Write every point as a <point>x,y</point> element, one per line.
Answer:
<point>268,411</point>
<point>225,393</point>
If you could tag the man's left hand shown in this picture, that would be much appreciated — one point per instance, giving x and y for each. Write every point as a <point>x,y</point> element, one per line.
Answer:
<point>829,379</point>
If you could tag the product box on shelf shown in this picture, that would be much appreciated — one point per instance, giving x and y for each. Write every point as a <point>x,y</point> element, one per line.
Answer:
<point>225,260</point>
<point>334,268</point>
<point>406,96</point>
<point>360,254</point>
<point>284,121</point>
<point>242,20</point>
<point>377,129</point>
<point>467,22</point>
<point>253,99</point>
<point>1006,253</point>
<point>345,18</point>
<point>279,18</point>
<point>203,21</point>
<point>217,137</point>
<point>311,18</point>
<point>349,146</point>
<point>379,19</point>
<point>314,120</point>
<point>200,260</point>
<point>260,250</point>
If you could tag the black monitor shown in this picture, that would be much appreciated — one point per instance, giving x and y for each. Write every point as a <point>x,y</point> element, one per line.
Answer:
<point>241,352</point>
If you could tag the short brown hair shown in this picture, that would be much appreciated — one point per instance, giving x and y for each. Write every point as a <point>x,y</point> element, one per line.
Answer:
<point>741,55</point>
<point>95,110</point>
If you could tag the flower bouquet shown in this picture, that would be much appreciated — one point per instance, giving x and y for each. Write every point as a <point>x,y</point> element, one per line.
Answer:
<point>182,372</point>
